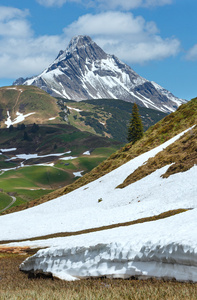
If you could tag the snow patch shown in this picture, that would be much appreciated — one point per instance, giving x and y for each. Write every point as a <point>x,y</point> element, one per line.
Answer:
<point>20,117</point>
<point>30,156</point>
<point>78,174</point>
<point>8,150</point>
<point>86,153</point>
<point>14,88</point>
<point>68,158</point>
<point>75,109</point>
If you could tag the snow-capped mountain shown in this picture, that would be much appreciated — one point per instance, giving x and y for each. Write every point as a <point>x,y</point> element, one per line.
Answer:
<point>84,71</point>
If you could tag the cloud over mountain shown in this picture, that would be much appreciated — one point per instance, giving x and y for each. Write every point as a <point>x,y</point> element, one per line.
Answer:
<point>132,38</point>
<point>20,50</point>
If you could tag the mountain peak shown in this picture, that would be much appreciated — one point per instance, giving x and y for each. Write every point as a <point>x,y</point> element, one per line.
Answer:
<point>79,41</point>
<point>81,47</point>
<point>84,71</point>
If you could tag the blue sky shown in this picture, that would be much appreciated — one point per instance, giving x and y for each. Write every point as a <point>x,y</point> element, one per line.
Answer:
<point>157,38</point>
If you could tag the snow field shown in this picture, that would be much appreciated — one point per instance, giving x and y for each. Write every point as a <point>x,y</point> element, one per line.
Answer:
<point>165,248</point>
<point>81,209</point>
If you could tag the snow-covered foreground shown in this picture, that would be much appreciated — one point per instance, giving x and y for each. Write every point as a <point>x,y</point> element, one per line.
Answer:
<point>164,248</point>
<point>101,203</point>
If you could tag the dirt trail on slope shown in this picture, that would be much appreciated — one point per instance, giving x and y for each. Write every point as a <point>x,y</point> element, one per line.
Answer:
<point>8,206</point>
<point>20,92</point>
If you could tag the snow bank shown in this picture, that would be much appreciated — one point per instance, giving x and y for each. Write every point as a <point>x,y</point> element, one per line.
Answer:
<point>165,249</point>
<point>117,261</point>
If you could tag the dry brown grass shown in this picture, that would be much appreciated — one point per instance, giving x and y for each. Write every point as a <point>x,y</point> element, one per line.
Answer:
<point>183,118</point>
<point>15,285</point>
<point>182,154</point>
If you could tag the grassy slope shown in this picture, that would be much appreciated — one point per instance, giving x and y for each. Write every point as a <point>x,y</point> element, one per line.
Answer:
<point>5,200</point>
<point>181,156</point>
<point>108,117</point>
<point>31,99</point>
<point>33,182</point>
<point>51,139</point>
<point>104,117</point>
<point>171,125</point>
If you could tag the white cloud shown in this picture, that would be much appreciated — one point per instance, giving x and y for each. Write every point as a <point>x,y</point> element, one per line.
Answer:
<point>110,4</point>
<point>130,38</point>
<point>13,22</point>
<point>155,49</point>
<point>131,4</point>
<point>28,56</point>
<point>109,23</point>
<point>192,53</point>
<point>7,13</point>
<point>21,53</point>
<point>156,2</point>
<point>59,3</point>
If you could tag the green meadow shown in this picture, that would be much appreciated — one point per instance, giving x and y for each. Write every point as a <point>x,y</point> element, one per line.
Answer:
<point>32,182</point>
<point>5,200</point>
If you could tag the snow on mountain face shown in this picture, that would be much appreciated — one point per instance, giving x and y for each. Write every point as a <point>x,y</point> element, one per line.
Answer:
<point>84,71</point>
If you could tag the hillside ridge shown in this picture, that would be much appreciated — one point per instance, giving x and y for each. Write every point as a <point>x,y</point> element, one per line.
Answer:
<point>103,117</point>
<point>185,117</point>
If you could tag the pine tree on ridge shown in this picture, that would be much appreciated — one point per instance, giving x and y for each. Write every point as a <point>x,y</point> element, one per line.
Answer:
<point>135,129</point>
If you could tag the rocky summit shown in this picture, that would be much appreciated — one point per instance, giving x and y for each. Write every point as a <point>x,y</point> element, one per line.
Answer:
<point>84,71</point>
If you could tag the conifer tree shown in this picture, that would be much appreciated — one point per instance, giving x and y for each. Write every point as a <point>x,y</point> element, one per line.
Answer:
<point>25,136</point>
<point>135,129</point>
